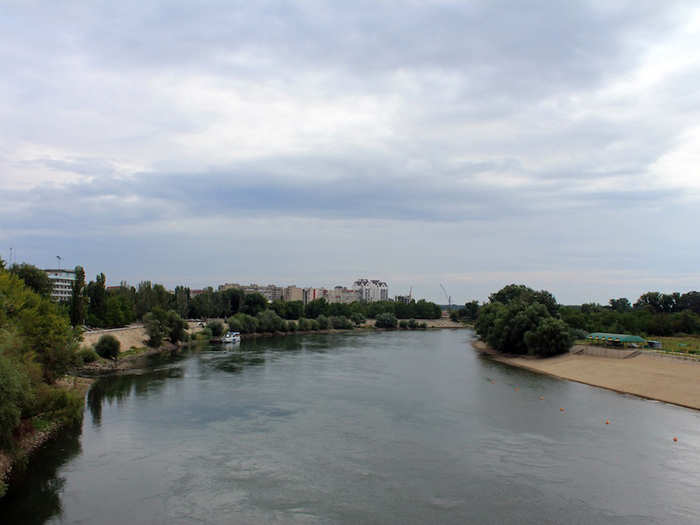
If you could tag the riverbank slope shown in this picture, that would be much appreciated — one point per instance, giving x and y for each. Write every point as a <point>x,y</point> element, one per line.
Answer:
<point>652,377</point>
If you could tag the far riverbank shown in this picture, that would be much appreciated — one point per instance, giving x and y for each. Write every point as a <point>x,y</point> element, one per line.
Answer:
<point>648,376</point>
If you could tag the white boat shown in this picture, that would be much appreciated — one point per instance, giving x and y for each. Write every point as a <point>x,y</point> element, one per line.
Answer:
<point>231,337</point>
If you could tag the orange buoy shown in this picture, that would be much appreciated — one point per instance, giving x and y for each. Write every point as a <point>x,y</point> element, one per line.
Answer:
<point>607,421</point>
<point>675,439</point>
<point>541,397</point>
<point>561,410</point>
<point>516,389</point>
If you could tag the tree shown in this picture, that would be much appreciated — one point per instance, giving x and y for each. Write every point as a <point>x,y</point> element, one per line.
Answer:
<point>108,347</point>
<point>386,320</point>
<point>550,337</point>
<point>176,327</point>
<point>253,304</point>
<point>154,329</point>
<point>38,280</point>
<point>216,327</point>
<point>15,393</point>
<point>77,301</point>
<point>621,305</point>
<point>269,321</point>
<point>315,308</point>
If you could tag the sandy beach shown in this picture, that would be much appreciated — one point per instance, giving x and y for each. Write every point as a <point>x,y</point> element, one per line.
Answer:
<point>664,379</point>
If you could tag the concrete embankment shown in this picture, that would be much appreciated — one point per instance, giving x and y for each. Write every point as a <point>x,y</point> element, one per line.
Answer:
<point>669,380</point>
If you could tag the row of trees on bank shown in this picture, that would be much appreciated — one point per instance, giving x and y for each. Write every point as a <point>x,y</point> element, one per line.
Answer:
<point>95,305</point>
<point>520,320</point>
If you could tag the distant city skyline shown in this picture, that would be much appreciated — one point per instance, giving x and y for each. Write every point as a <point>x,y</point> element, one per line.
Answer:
<point>469,144</point>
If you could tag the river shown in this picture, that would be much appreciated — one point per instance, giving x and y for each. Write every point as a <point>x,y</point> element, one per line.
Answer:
<point>391,427</point>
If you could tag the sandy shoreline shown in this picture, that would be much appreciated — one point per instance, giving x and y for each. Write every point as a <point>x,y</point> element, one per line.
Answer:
<point>668,380</point>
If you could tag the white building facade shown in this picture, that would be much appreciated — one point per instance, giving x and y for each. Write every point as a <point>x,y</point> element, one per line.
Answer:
<point>62,281</point>
<point>371,290</point>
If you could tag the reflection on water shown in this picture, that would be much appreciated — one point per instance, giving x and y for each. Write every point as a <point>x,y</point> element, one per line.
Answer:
<point>35,492</point>
<point>361,428</point>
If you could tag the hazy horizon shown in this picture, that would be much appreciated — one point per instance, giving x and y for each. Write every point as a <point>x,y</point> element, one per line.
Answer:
<point>471,145</point>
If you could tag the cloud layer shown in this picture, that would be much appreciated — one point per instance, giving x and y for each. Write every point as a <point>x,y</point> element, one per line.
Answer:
<point>472,144</point>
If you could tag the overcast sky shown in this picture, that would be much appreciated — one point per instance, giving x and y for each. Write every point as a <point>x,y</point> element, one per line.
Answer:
<point>468,143</point>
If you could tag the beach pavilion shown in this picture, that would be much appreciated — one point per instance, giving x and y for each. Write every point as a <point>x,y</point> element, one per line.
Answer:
<point>615,339</point>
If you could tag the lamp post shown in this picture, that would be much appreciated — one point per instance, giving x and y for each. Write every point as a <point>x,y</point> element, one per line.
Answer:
<point>59,261</point>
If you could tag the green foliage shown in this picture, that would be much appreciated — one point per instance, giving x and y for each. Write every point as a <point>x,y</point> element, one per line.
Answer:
<point>216,327</point>
<point>304,324</point>
<point>386,320</point>
<point>550,337</point>
<point>154,329</point>
<point>403,324</point>
<point>36,279</point>
<point>176,327</point>
<point>107,347</point>
<point>519,320</point>
<point>315,325</point>
<point>315,308</point>
<point>87,355</point>
<point>324,323</point>
<point>253,304</point>
<point>291,326</point>
<point>78,300</point>
<point>234,324</point>
<point>269,321</point>
<point>15,393</point>
<point>357,318</point>
<point>340,322</point>
<point>247,323</point>
<point>295,310</point>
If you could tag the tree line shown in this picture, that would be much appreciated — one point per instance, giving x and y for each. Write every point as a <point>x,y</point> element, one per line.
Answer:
<point>94,305</point>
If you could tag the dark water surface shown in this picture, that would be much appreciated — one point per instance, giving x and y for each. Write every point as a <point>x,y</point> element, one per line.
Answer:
<point>362,428</point>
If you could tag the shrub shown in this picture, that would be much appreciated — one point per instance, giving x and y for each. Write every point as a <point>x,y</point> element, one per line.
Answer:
<point>234,324</point>
<point>247,323</point>
<point>216,327</point>
<point>412,324</point>
<point>87,355</point>
<point>323,322</point>
<point>269,321</point>
<point>154,329</point>
<point>357,318</point>
<point>315,325</point>
<point>423,325</point>
<point>291,326</point>
<point>386,320</point>
<point>176,327</point>
<point>341,322</point>
<point>305,324</point>
<point>403,324</point>
<point>108,347</point>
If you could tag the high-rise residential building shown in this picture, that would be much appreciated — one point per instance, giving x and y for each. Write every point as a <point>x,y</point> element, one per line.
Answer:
<point>341,294</point>
<point>293,293</point>
<point>311,294</point>
<point>371,290</point>
<point>62,281</point>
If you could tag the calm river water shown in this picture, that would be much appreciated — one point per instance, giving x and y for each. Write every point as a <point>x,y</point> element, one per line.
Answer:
<point>362,428</point>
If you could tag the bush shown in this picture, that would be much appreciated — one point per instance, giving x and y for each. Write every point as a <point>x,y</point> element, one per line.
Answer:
<point>315,325</point>
<point>154,329</point>
<point>176,327</point>
<point>216,327</point>
<point>423,325</point>
<point>357,318</point>
<point>234,324</point>
<point>304,324</point>
<point>87,355</point>
<point>341,323</point>
<point>412,324</point>
<point>403,324</point>
<point>269,321</point>
<point>386,320</point>
<point>324,323</point>
<point>291,326</point>
<point>108,347</point>
<point>247,324</point>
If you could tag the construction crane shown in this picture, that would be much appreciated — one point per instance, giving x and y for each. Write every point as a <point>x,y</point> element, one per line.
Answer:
<point>410,294</point>
<point>448,297</point>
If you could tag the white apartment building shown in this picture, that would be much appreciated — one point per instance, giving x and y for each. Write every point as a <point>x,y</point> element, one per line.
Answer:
<point>62,281</point>
<point>371,290</point>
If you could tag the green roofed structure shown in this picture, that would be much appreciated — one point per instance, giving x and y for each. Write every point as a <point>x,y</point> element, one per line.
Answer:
<point>615,339</point>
